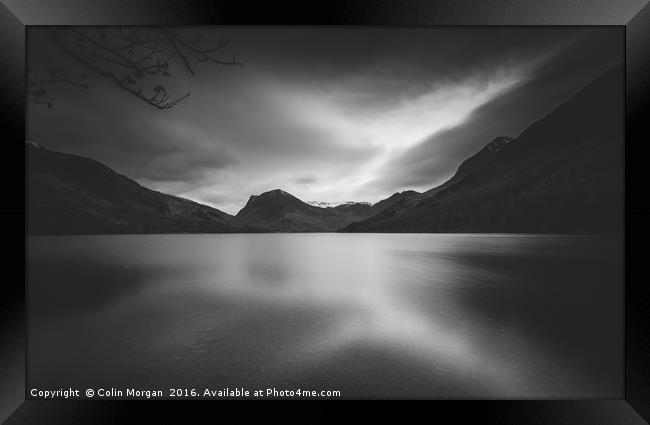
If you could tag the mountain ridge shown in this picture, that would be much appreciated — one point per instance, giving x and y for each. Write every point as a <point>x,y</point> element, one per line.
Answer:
<point>325,204</point>
<point>279,211</point>
<point>562,174</point>
<point>72,194</point>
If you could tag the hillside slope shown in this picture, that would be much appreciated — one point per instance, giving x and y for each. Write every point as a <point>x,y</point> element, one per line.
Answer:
<point>70,194</point>
<point>563,174</point>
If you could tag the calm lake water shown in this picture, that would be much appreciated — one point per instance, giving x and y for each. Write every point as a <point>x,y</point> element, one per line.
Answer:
<point>371,315</point>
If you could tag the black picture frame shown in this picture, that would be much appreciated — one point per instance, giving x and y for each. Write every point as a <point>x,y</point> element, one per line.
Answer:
<point>634,15</point>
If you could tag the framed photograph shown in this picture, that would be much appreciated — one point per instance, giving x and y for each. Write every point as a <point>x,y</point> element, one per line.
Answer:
<point>430,201</point>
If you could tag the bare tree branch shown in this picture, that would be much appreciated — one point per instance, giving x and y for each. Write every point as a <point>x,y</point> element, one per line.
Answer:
<point>36,92</point>
<point>159,102</point>
<point>134,59</point>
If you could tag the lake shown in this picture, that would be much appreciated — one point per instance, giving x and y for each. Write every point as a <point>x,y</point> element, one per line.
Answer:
<point>370,315</point>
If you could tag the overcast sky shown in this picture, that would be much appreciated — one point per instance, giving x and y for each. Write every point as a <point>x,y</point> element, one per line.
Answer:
<point>327,114</point>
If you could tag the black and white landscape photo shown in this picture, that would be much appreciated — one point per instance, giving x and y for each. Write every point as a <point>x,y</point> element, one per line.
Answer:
<point>325,212</point>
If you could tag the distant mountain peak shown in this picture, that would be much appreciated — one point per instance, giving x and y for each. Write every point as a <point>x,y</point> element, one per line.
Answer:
<point>325,204</point>
<point>279,211</point>
<point>276,192</point>
<point>272,194</point>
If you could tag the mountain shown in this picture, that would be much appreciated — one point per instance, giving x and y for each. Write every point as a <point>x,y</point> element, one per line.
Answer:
<point>354,211</point>
<point>70,194</point>
<point>472,164</point>
<point>397,198</point>
<point>279,211</point>
<point>324,204</point>
<point>563,174</point>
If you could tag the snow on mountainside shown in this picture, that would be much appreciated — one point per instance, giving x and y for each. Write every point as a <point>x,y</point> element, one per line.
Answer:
<point>324,204</point>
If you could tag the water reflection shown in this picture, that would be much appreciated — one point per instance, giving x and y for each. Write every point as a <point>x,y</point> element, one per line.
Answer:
<point>372,315</point>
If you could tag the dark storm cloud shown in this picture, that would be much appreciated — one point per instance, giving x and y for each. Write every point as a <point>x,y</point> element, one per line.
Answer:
<point>183,166</point>
<point>324,113</point>
<point>140,145</point>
